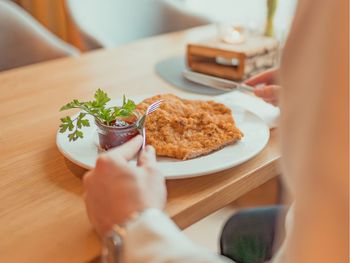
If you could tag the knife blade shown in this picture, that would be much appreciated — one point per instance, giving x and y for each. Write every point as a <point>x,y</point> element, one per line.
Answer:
<point>215,82</point>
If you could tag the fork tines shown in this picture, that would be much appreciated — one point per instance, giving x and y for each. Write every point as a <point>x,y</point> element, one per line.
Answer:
<point>154,106</point>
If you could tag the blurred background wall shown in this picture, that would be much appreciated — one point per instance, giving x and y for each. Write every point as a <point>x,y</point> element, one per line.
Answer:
<point>52,14</point>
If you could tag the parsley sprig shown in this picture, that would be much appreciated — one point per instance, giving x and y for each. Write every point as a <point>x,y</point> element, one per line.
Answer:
<point>96,108</point>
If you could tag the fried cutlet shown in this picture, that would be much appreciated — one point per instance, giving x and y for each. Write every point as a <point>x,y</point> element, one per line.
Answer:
<point>185,129</point>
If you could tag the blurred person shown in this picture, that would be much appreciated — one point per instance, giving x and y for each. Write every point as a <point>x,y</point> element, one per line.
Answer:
<point>314,144</point>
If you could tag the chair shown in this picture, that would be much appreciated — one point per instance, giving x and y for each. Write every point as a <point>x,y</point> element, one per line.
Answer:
<point>108,23</point>
<point>24,41</point>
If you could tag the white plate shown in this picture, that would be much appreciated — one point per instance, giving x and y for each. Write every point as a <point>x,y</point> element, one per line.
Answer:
<point>84,152</point>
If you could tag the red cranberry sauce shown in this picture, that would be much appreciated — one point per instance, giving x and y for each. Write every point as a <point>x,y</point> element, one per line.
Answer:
<point>117,132</point>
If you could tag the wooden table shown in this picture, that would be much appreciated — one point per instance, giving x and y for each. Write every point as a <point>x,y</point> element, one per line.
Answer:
<point>42,214</point>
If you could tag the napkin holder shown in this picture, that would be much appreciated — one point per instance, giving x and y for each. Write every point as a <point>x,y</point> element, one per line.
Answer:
<point>233,61</point>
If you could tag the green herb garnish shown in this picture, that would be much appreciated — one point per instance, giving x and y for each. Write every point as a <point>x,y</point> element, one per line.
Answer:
<point>96,108</point>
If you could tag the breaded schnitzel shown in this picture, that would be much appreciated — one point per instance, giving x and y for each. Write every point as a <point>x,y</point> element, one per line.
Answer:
<point>185,129</point>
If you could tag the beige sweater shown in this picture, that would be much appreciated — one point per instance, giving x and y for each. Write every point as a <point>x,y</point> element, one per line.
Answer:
<point>314,129</point>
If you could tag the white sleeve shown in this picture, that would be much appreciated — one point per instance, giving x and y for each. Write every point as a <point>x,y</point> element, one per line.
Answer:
<point>153,237</point>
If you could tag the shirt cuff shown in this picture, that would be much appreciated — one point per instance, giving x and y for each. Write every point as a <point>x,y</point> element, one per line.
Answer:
<point>153,237</point>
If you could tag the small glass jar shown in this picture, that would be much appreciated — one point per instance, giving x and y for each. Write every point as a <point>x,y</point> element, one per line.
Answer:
<point>113,136</point>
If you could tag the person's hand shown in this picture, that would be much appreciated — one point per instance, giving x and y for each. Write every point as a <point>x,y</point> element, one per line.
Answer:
<point>115,189</point>
<point>265,86</point>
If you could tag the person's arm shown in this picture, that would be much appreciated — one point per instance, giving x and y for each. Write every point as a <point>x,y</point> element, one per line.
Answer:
<point>115,190</point>
<point>155,238</point>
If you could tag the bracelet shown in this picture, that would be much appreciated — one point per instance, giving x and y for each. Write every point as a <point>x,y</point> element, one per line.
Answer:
<point>113,242</point>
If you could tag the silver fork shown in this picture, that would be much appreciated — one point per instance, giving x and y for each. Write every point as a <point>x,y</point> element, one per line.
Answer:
<point>141,123</point>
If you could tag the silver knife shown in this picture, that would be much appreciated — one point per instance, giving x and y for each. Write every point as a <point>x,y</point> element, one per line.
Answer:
<point>215,82</point>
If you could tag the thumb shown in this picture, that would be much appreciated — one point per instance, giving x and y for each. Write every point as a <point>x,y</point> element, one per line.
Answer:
<point>147,157</point>
<point>266,77</point>
<point>127,150</point>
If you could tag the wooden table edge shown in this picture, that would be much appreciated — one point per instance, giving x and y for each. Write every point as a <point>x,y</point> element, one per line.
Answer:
<point>210,205</point>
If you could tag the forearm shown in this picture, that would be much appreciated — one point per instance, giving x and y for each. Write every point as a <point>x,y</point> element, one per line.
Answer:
<point>155,238</point>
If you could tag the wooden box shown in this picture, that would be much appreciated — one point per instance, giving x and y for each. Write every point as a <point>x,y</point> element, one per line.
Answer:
<point>233,61</point>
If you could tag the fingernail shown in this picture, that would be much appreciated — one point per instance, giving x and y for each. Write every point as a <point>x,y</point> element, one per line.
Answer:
<point>260,86</point>
<point>148,148</point>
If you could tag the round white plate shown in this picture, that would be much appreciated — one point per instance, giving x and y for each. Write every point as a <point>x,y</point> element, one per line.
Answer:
<point>84,152</point>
